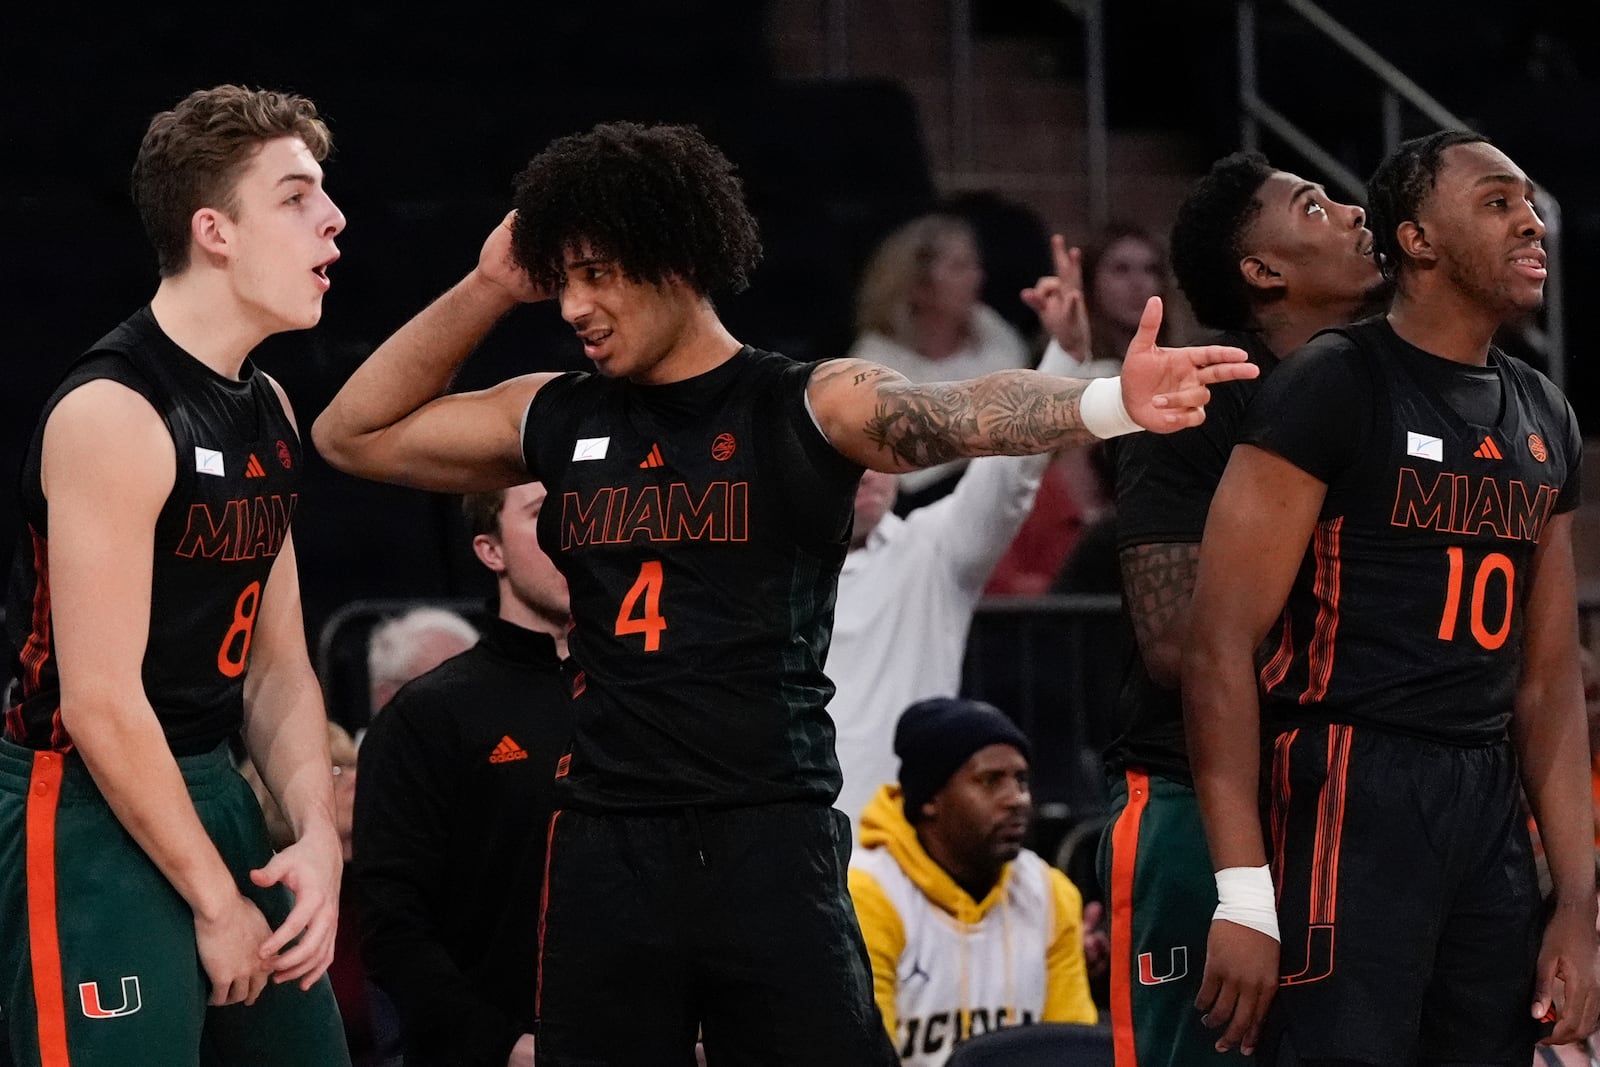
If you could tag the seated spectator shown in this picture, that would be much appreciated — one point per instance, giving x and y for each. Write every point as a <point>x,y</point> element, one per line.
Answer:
<point>909,585</point>
<point>457,788</point>
<point>967,931</point>
<point>1124,265</point>
<point>410,645</point>
<point>918,312</point>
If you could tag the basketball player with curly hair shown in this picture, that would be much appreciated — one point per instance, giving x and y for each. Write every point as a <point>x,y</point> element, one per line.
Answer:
<point>701,494</point>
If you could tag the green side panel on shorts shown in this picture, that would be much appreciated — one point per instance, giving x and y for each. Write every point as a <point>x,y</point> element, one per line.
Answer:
<point>1174,897</point>
<point>135,993</point>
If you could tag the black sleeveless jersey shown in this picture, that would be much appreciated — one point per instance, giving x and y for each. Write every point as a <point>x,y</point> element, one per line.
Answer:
<point>701,526</point>
<point>1408,610</point>
<point>216,538</point>
<point>1164,486</point>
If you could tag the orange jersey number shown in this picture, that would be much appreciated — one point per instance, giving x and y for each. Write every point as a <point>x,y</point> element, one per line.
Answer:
<point>229,662</point>
<point>1494,563</point>
<point>651,622</point>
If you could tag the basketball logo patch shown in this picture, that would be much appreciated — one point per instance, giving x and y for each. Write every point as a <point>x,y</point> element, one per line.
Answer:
<point>283,454</point>
<point>723,447</point>
<point>1536,447</point>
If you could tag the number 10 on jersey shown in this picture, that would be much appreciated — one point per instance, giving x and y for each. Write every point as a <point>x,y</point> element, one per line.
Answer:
<point>1494,564</point>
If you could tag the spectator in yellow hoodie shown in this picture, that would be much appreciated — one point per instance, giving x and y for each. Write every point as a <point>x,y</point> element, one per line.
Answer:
<point>967,931</point>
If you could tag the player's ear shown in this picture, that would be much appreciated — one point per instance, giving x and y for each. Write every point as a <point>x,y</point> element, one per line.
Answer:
<point>210,232</point>
<point>1414,243</point>
<point>490,553</point>
<point>1258,274</point>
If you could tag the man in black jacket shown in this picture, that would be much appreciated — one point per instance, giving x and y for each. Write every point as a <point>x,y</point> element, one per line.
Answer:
<point>452,804</point>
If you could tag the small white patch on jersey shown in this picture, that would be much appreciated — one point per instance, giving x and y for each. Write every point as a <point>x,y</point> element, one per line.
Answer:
<point>208,461</point>
<point>1420,444</point>
<point>590,448</point>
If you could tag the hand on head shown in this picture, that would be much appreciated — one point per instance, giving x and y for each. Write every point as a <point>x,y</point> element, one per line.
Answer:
<point>498,265</point>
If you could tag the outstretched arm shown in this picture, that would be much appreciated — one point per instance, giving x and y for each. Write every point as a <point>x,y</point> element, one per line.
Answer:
<point>1241,586</point>
<point>391,422</point>
<point>978,520</point>
<point>879,419</point>
<point>1551,736</point>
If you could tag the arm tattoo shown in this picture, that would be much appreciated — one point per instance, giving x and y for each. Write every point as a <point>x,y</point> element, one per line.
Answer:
<point>1009,413</point>
<point>1158,583</point>
<point>834,370</point>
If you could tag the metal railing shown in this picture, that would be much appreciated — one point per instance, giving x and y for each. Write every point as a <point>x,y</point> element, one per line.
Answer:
<point>1096,148</point>
<point>1395,89</point>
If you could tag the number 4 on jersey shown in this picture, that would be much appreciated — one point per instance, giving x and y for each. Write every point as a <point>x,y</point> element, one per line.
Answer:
<point>651,622</point>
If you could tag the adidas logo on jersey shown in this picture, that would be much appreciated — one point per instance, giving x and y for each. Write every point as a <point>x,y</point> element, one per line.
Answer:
<point>253,469</point>
<point>1488,450</point>
<point>654,458</point>
<point>507,751</point>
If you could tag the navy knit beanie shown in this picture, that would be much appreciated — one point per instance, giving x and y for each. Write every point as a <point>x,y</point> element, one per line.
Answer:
<point>936,736</point>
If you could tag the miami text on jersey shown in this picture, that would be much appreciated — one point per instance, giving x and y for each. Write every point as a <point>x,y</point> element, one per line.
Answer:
<point>248,529</point>
<point>1454,504</point>
<point>616,516</point>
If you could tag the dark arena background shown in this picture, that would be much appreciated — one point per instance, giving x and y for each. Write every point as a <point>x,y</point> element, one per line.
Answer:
<point>845,117</point>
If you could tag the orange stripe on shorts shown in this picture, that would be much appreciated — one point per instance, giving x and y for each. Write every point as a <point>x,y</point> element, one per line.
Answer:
<point>544,901</point>
<point>1124,853</point>
<point>44,790</point>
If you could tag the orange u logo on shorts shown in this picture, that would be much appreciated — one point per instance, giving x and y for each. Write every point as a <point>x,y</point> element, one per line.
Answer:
<point>89,995</point>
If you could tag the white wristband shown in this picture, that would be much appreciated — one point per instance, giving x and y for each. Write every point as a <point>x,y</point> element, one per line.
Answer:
<point>1101,409</point>
<point>1245,896</point>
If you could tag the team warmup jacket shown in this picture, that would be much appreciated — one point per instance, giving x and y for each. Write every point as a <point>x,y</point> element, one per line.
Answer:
<point>453,802</point>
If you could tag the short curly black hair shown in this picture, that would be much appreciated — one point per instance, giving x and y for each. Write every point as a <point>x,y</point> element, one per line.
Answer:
<point>1401,183</point>
<point>659,201</point>
<point>1207,239</point>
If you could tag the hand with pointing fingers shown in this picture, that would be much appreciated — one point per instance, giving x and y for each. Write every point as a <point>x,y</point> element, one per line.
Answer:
<point>1059,302</point>
<point>1164,389</point>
